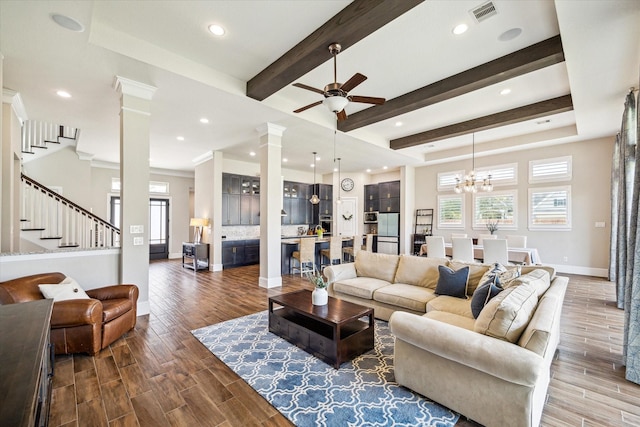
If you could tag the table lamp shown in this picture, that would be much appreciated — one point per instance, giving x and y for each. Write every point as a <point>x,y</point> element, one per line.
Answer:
<point>198,223</point>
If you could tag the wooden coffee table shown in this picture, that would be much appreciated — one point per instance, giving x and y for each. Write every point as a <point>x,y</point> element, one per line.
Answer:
<point>335,333</point>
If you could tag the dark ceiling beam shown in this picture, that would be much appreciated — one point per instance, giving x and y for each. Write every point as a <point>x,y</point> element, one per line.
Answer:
<point>531,58</point>
<point>520,114</point>
<point>350,25</point>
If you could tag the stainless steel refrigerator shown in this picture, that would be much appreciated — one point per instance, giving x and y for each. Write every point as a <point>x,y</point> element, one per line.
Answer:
<point>389,233</point>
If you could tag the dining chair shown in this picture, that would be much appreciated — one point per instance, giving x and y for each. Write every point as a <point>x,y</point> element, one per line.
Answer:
<point>305,256</point>
<point>435,247</point>
<point>462,249</point>
<point>495,250</point>
<point>514,241</point>
<point>349,252</point>
<point>333,252</point>
<point>368,243</point>
<point>483,237</point>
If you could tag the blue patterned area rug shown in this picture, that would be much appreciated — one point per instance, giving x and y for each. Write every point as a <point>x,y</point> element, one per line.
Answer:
<point>311,393</point>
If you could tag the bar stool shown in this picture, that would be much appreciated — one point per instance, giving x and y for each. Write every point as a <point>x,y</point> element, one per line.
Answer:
<point>334,252</point>
<point>305,256</point>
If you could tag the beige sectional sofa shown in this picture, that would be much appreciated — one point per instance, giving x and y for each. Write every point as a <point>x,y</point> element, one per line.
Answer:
<point>494,369</point>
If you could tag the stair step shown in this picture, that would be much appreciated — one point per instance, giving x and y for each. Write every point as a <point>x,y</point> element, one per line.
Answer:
<point>40,146</point>
<point>69,245</point>
<point>51,238</point>
<point>32,229</point>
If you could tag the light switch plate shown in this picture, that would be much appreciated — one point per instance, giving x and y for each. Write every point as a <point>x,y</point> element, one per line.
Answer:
<point>136,229</point>
<point>600,224</point>
<point>137,241</point>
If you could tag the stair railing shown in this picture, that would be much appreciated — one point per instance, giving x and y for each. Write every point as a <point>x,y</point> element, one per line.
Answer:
<point>57,217</point>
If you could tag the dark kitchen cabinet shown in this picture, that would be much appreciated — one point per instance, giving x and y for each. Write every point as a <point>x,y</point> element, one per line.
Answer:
<point>230,209</point>
<point>296,203</point>
<point>236,253</point>
<point>371,203</point>
<point>240,200</point>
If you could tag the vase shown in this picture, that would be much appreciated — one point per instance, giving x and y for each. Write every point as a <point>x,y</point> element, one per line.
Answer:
<point>319,296</point>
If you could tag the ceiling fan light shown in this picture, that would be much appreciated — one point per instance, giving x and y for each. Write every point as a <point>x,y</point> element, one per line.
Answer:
<point>335,103</point>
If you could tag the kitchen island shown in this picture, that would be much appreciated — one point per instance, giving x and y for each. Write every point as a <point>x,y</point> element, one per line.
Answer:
<point>291,244</point>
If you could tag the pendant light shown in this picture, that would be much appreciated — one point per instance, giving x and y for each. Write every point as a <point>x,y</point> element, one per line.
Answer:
<point>469,184</point>
<point>314,198</point>
<point>334,161</point>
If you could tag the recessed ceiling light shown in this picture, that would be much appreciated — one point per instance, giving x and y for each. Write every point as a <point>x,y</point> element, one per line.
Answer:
<point>510,34</point>
<point>398,124</point>
<point>460,29</point>
<point>284,159</point>
<point>67,22</point>
<point>312,165</point>
<point>252,153</point>
<point>216,30</point>
<point>385,167</point>
<point>180,138</point>
<point>335,169</point>
<point>505,91</point>
<point>204,120</point>
<point>63,94</point>
<point>318,158</point>
<point>368,170</point>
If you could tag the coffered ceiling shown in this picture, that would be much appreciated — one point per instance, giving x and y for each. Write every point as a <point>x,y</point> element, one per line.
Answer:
<point>568,71</point>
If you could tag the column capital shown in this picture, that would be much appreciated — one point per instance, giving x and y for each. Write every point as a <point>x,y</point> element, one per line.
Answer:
<point>131,87</point>
<point>271,129</point>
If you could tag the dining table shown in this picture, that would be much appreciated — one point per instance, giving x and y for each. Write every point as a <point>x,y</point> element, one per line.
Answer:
<point>524,256</point>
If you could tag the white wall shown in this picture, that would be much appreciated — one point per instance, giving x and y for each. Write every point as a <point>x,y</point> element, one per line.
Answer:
<point>585,247</point>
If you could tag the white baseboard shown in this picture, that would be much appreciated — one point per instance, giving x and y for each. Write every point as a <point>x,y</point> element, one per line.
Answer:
<point>583,271</point>
<point>215,267</point>
<point>272,282</point>
<point>175,255</point>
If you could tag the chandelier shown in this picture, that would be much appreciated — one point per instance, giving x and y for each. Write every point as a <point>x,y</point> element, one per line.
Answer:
<point>470,182</point>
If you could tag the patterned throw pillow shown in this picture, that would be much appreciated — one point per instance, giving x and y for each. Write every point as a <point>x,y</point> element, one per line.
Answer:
<point>482,296</point>
<point>452,283</point>
<point>501,275</point>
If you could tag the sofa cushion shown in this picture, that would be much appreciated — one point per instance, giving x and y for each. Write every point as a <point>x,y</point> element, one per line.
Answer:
<point>361,287</point>
<point>65,290</point>
<point>481,297</point>
<point>457,306</point>
<point>406,296</point>
<point>419,271</point>
<point>538,278</point>
<point>452,282</point>
<point>475,273</point>
<point>507,315</point>
<point>500,275</point>
<point>451,318</point>
<point>377,266</point>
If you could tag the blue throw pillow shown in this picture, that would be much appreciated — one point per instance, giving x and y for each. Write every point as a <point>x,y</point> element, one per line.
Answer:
<point>482,295</point>
<point>452,282</point>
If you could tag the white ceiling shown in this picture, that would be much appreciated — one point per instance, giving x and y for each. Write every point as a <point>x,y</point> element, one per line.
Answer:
<point>166,44</point>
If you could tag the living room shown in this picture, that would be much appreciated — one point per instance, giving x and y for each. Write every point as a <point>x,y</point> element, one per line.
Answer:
<point>585,135</point>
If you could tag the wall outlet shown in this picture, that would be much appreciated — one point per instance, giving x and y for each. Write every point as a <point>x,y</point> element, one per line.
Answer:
<point>136,229</point>
<point>600,224</point>
<point>137,241</point>
<point>565,259</point>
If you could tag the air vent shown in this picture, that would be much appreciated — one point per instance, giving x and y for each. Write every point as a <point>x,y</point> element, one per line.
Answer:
<point>484,11</point>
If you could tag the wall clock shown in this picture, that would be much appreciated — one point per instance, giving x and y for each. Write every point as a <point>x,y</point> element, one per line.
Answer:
<point>347,184</point>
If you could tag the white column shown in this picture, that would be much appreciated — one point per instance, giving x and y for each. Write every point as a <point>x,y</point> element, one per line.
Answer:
<point>407,207</point>
<point>135,118</point>
<point>270,205</point>
<point>208,203</point>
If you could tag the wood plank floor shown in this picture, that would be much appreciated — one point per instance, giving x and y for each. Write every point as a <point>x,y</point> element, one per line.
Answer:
<point>160,375</point>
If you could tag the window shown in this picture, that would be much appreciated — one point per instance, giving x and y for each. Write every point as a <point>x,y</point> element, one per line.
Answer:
<point>451,211</point>
<point>498,205</point>
<point>500,174</point>
<point>546,170</point>
<point>154,186</point>
<point>550,208</point>
<point>447,180</point>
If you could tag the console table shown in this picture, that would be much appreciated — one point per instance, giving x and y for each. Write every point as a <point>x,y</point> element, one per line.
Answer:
<point>27,363</point>
<point>195,256</point>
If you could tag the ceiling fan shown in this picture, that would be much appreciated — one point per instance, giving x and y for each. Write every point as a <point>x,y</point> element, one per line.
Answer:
<point>336,95</point>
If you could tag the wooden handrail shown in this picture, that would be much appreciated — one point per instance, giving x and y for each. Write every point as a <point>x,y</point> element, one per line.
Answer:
<point>64,200</point>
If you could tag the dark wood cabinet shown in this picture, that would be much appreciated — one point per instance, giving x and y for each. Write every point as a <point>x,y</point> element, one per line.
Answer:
<point>236,253</point>
<point>296,203</point>
<point>391,205</point>
<point>325,207</point>
<point>371,203</point>
<point>230,209</point>
<point>240,200</point>
<point>231,183</point>
<point>389,197</point>
<point>27,363</point>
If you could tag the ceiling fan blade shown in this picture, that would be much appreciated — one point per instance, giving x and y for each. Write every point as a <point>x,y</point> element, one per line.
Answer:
<point>306,107</point>
<point>342,115</point>
<point>353,82</point>
<point>367,99</point>
<point>312,89</point>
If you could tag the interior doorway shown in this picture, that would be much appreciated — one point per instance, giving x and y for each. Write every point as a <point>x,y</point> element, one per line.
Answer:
<point>158,233</point>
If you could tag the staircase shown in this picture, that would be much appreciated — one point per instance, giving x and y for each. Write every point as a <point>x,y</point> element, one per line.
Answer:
<point>51,221</point>
<point>41,138</point>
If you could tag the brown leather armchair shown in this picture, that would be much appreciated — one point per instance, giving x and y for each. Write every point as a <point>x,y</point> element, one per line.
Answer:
<point>83,325</point>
